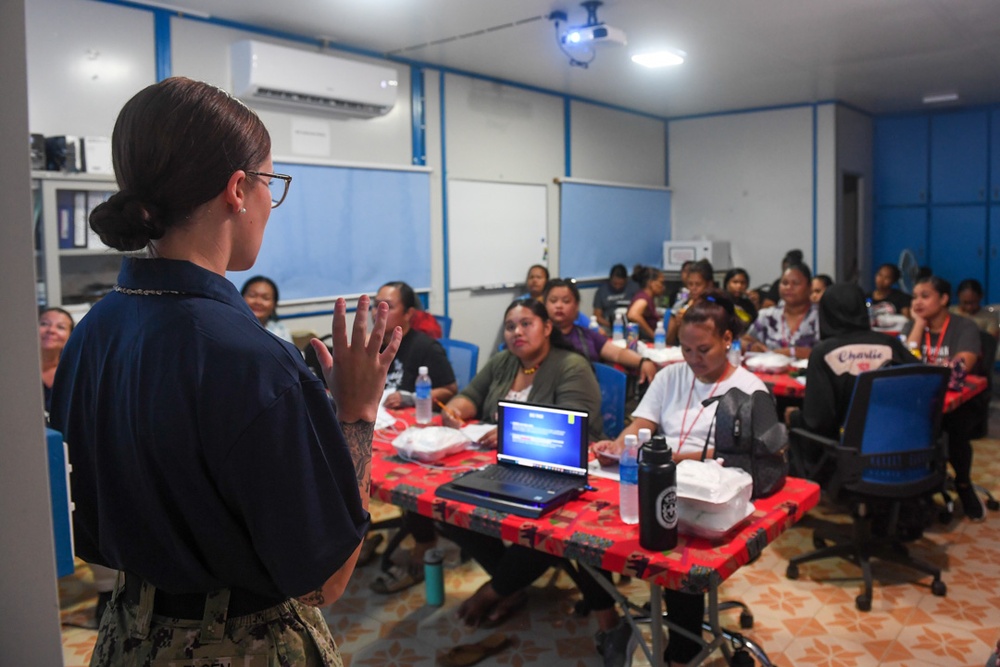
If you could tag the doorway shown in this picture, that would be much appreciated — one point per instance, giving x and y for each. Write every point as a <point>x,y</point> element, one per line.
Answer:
<point>848,227</point>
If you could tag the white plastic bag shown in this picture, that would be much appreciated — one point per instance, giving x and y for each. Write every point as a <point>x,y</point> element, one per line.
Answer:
<point>430,443</point>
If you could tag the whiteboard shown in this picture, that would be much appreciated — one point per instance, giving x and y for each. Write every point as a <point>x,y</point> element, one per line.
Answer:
<point>495,232</point>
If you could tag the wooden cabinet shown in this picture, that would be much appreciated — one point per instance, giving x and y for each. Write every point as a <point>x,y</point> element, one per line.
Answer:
<point>73,266</point>
<point>901,152</point>
<point>959,157</point>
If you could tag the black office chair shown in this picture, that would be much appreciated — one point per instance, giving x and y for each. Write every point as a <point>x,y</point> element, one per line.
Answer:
<point>889,455</point>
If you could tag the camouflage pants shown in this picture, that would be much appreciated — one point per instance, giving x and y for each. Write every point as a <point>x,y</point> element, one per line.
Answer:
<point>287,635</point>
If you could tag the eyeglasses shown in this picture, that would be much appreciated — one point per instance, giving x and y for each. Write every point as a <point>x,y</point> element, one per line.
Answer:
<point>278,192</point>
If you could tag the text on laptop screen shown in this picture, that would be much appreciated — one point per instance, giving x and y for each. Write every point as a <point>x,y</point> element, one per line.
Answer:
<point>543,437</point>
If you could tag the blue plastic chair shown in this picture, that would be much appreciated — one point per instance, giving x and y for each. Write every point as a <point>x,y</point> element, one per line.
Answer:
<point>464,359</point>
<point>612,382</point>
<point>445,323</point>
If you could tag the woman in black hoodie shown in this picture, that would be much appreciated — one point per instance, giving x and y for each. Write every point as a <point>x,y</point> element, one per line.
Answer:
<point>847,348</point>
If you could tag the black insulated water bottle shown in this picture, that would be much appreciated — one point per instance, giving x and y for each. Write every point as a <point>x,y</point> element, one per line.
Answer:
<point>657,496</point>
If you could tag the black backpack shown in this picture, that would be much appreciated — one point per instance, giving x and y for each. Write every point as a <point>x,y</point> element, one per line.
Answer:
<point>748,435</point>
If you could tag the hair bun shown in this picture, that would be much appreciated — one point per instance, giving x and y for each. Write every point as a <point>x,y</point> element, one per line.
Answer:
<point>126,223</point>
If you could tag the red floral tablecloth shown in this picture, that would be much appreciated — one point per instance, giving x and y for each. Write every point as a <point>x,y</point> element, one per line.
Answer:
<point>589,529</point>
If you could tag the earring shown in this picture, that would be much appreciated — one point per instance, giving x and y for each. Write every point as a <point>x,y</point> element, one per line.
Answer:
<point>729,345</point>
<point>243,210</point>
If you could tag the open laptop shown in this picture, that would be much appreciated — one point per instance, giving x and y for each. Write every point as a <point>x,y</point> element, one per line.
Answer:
<point>541,462</point>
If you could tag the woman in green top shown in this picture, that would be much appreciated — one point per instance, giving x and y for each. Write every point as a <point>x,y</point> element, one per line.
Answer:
<point>537,366</point>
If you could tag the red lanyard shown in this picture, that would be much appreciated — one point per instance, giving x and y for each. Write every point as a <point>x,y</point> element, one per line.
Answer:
<point>684,436</point>
<point>932,356</point>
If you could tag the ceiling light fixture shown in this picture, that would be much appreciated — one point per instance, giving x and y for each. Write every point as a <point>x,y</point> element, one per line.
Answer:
<point>940,98</point>
<point>579,42</point>
<point>664,58</point>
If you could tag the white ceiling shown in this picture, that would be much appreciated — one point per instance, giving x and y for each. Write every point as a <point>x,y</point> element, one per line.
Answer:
<point>878,55</point>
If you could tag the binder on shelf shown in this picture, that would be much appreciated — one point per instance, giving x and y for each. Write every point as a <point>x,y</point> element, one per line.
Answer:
<point>93,199</point>
<point>64,210</point>
<point>80,225</point>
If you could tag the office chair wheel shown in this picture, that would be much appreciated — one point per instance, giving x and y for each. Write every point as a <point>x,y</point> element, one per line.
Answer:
<point>746,620</point>
<point>863,603</point>
<point>792,572</point>
<point>819,542</point>
<point>993,504</point>
<point>939,588</point>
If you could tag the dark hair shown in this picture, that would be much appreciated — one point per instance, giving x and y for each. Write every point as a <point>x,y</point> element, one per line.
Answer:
<point>57,309</point>
<point>537,266</point>
<point>801,268</point>
<point>893,268</point>
<point>732,273</point>
<point>406,295</point>
<point>971,284</point>
<point>262,279</point>
<point>717,307</point>
<point>937,283</point>
<point>174,147</point>
<point>823,278</point>
<point>792,257</point>
<point>538,308</point>
<point>924,272</point>
<point>686,264</point>
<point>568,283</point>
<point>645,274</point>
<point>703,268</point>
<point>618,271</point>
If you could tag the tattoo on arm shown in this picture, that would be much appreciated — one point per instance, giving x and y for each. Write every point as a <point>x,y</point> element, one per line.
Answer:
<point>313,599</point>
<point>359,442</point>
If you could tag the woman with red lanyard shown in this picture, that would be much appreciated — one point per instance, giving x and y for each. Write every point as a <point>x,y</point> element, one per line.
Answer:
<point>945,339</point>
<point>673,406</point>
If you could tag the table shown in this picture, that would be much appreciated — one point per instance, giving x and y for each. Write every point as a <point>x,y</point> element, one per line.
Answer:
<point>783,384</point>
<point>588,530</point>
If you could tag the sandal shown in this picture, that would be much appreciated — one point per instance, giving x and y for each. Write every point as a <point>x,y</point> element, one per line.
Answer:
<point>367,553</point>
<point>465,655</point>
<point>396,579</point>
<point>504,609</point>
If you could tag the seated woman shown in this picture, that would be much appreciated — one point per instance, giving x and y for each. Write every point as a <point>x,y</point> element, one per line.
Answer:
<point>700,279</point>
<point>618,289</point>
<point>934,330</point>
<point>970,304</point>
<point>562,301</point>
<point>642,310</point>
<point>819,284</point>
<point>535,282</point>
<point>792,327</point>
<point>416,349</point>
<point>673,406</point>
<point>844,328</point>
<point>885,298</point>
<point>536,367</point>
<point>737,286</point>
<point>261,294</point>
<point>54,327</point>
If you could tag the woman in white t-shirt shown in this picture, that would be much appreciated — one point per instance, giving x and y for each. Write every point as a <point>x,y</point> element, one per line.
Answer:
<point>673,406</point>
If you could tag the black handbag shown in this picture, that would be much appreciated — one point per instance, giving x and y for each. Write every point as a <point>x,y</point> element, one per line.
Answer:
<point>748,435</point>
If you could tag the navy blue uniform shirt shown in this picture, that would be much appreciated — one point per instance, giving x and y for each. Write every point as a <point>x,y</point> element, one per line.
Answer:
<point>205,453</point>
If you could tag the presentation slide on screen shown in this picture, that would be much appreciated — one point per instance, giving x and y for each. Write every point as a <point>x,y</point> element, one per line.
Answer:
<point>538,435</point>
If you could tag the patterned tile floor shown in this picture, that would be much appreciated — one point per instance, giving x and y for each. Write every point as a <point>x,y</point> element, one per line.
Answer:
<point>811,621</point>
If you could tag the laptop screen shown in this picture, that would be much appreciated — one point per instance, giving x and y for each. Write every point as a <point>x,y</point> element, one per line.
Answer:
<point>544,437</point>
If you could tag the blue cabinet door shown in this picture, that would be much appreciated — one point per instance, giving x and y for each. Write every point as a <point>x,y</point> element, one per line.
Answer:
<point>901,160</point>
<point>995,159</point>
<point>993,288</point>
<point>958,243</point>
<point>897,228</point>
<point>959,157</point>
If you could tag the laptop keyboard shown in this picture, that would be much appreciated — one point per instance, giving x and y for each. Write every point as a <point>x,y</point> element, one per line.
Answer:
<point>531,477</point>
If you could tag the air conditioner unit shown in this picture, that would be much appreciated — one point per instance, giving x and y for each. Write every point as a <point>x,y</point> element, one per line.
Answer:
<point>277,75</point>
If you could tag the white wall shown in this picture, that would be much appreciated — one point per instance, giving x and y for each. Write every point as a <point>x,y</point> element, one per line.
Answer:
<point>611,145</point>
<point>827,192</point>
<point>745,178</point>
<point>30,632</point>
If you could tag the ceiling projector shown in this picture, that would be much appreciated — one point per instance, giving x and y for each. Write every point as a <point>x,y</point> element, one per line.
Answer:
<point>594,35</point>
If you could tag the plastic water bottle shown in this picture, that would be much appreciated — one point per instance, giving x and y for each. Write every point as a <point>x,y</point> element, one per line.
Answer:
<point>423,396</point>
<point>628,486</point>
<point>736,353</point>
<point>659,337</point>
<point>657,496</point>
<point>594,324</point>
<point>618,329</point>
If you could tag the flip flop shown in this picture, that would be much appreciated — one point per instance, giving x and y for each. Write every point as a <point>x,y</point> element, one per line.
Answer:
<point>369,547</point>
<point>504,610</point>
<point>396,579</point>
<point>465,655</point>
